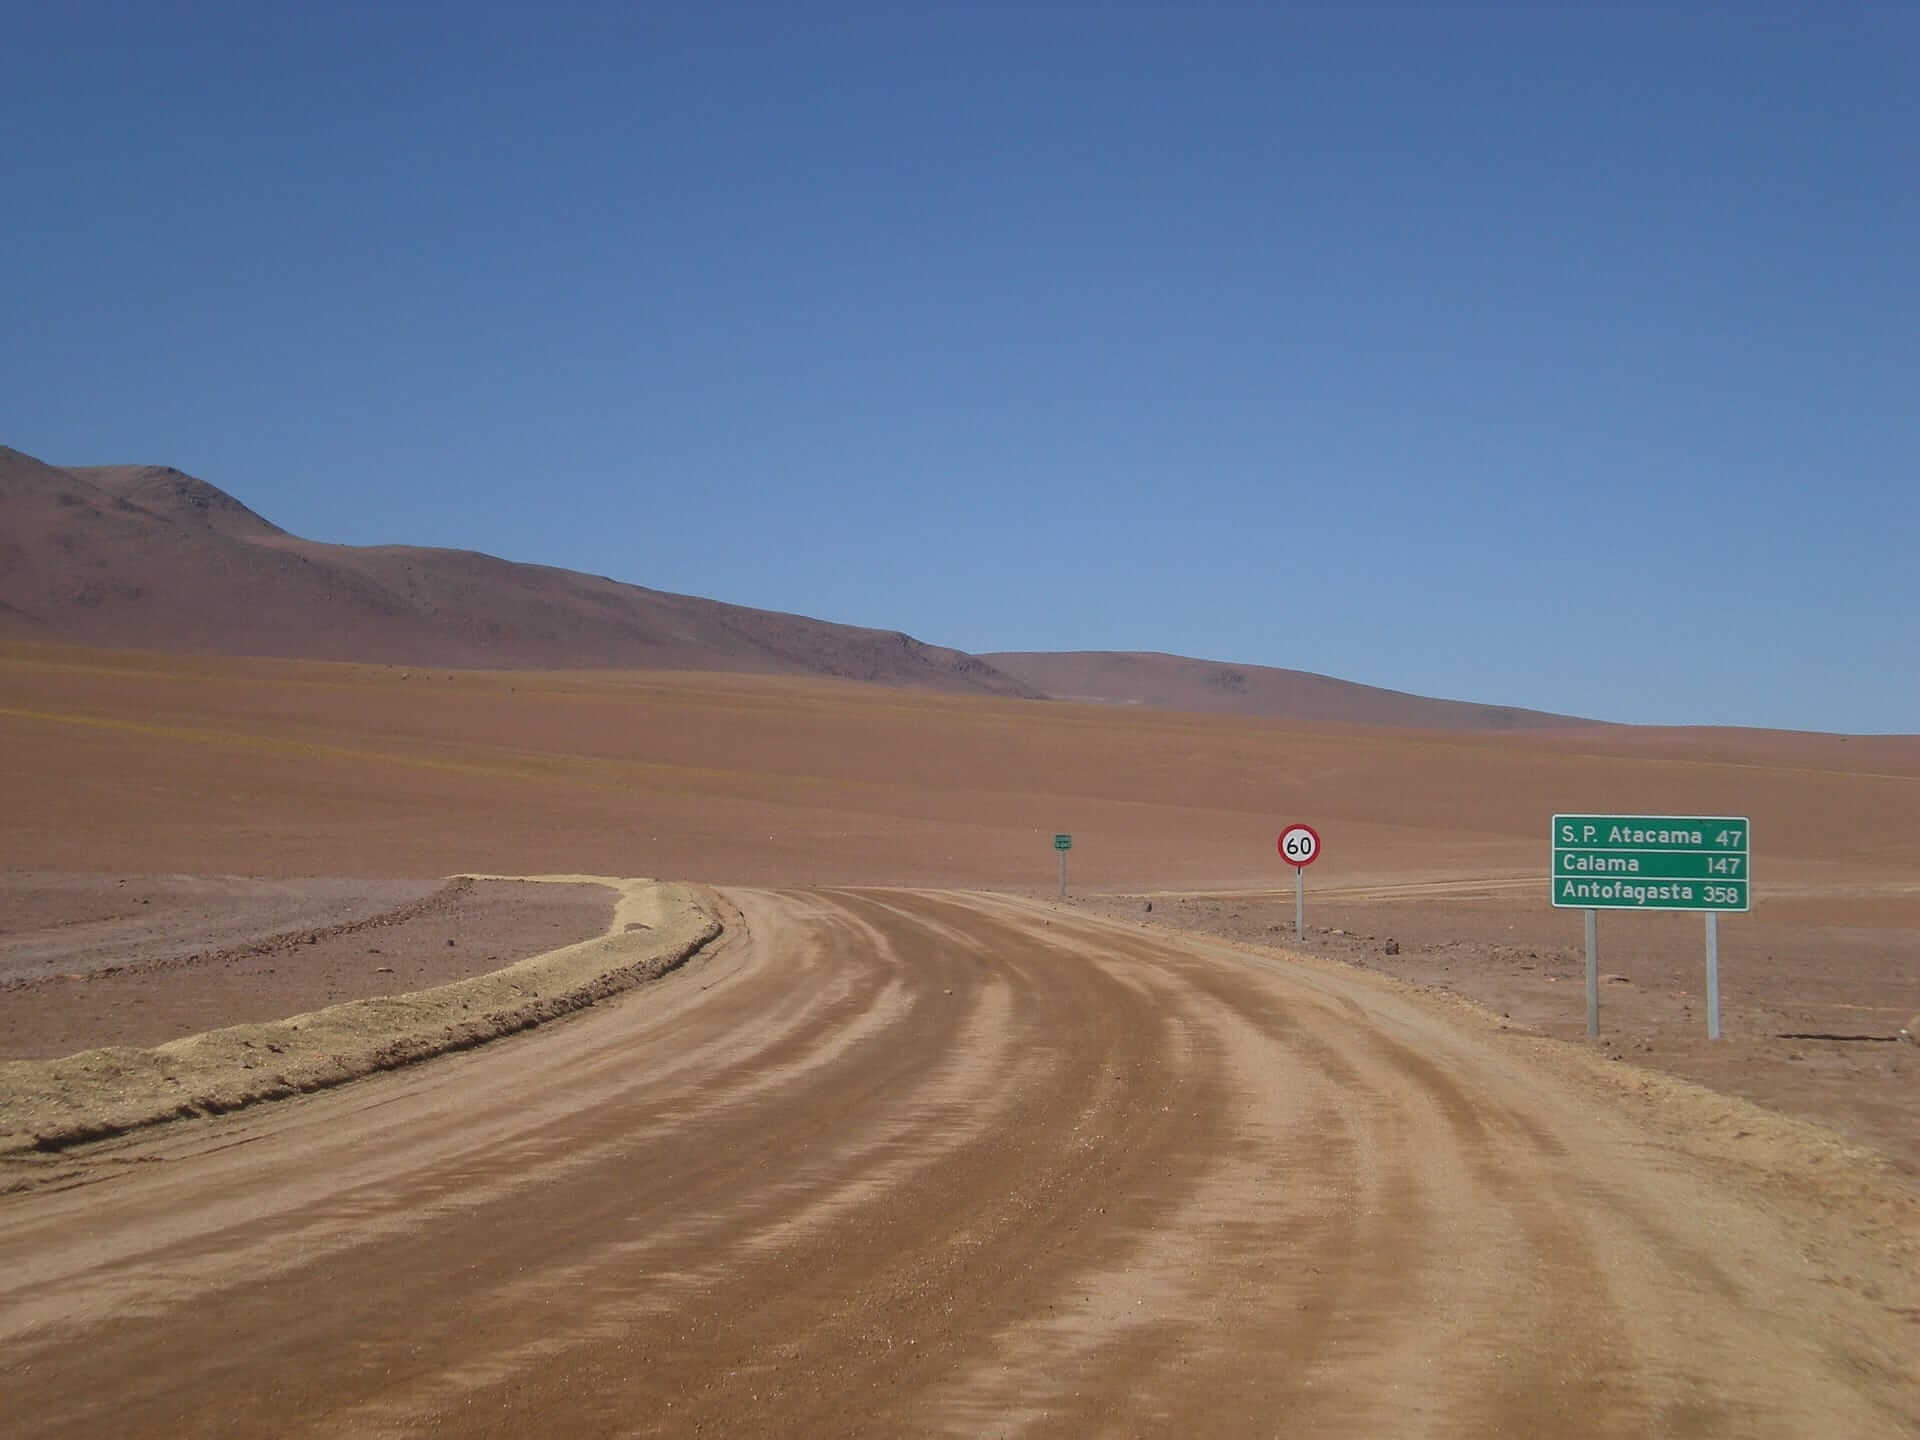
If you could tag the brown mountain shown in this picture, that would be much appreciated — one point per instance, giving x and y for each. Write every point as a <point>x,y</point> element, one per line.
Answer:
<point>1176,682</point>
<point>146,558</point>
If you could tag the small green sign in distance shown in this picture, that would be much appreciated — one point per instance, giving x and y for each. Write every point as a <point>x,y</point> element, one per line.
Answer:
<point>1063,842</point>
<point>1652,862</point>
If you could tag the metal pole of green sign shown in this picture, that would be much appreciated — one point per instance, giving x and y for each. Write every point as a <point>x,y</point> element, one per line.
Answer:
<point>1593,971</point>
<point>1063,843</point>
<point>1713,976</point>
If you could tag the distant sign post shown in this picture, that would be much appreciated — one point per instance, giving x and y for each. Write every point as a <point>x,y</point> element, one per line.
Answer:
<point>1653,862</point>
<point>1063,843</point>
<point>1299,847</point>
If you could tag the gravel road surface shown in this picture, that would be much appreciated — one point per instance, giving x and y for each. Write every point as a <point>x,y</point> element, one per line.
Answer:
<point>916,1163</point>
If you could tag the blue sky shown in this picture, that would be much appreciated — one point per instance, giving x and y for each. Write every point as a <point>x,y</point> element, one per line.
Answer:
<point>1547,355</point>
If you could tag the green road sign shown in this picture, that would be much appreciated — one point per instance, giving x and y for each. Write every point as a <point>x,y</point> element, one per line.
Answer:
<point>1063,842</point>
<point>1651,862</point>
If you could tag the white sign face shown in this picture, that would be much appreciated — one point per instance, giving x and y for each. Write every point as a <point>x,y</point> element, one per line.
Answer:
<point>1299,845</point>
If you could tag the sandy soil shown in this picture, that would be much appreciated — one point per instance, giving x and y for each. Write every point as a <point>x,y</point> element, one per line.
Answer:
<point>51,922</point>
<point>898,1164</point>
<point>139,960</point>
<point>130,764</point>
<point>922,1164</point>
<point>53,1107</point>
<point>1814,991</point>
<point>125,764</point>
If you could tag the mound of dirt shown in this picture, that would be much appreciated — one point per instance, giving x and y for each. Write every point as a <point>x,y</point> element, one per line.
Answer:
<point>50,1104</point>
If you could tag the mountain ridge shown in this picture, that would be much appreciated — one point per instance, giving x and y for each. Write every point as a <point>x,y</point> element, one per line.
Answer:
<point>147,557</point>
<point>1156,680</point>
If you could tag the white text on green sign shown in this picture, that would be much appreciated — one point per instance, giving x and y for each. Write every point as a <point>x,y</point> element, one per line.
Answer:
<point>1651,862</point>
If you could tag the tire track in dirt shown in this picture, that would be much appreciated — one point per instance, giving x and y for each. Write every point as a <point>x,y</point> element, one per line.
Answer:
<point>899,1163</point>
<point>1407,1181</point>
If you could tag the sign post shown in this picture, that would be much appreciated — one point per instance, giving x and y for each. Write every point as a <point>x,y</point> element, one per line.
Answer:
<point>1063,843</point>
<point>1593,972</point>
<point>1653,862</point>
<point>1713,975</point>
<point>1299,847</point>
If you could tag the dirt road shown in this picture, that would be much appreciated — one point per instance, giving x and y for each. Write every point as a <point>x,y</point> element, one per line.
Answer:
<point>901,1163</point>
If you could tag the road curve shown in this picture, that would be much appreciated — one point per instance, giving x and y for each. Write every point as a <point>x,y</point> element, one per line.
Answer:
<point>907,1163</point>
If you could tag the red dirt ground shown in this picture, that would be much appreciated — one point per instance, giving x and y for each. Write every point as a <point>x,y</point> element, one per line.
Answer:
<point>127,764</point>
<point>1813,993</point>
<point>892,1162</point>
<point>111,960</point>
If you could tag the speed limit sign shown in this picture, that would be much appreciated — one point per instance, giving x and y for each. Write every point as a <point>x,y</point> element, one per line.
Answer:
<point>1299,845</point>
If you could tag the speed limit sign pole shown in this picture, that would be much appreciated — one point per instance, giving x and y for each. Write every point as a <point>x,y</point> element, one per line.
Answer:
<point>1299,847</point>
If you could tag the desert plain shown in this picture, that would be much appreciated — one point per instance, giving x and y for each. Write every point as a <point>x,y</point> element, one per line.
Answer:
<point>913,1145</point>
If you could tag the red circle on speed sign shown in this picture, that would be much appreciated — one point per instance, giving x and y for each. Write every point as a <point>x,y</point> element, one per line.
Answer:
<point>1299,845</point>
